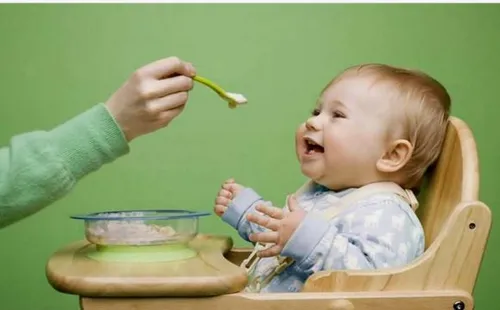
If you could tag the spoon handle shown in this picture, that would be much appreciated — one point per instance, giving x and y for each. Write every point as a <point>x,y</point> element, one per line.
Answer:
<point>211,85</point>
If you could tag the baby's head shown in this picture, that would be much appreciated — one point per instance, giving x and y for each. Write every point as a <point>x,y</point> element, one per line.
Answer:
<point>374,123</point>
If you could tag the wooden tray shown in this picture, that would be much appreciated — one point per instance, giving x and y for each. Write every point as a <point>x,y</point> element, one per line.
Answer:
<point>209,273</point>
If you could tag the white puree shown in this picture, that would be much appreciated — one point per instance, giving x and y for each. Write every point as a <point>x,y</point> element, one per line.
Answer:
<point>127,231</point>
<point>239,98</point>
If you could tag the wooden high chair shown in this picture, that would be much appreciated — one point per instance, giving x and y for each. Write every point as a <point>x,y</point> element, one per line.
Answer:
<point>456,224</point>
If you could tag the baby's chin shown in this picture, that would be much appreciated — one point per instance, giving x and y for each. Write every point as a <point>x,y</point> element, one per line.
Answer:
<point>312,173</point>
<point>318,177</point>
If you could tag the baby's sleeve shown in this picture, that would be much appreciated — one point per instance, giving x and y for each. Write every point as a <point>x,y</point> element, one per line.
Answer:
<point>378,233</point>
<point>236,214</point>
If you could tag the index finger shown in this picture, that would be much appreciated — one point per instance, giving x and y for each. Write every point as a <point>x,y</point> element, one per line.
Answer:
<point>166,67</point>
<point>275,213</point>
<point>263,221</point>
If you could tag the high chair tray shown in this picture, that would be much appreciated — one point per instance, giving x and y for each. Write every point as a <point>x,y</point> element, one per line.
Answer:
<point>208,273</point>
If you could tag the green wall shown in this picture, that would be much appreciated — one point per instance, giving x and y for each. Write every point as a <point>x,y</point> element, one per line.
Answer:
<point>58,60</point>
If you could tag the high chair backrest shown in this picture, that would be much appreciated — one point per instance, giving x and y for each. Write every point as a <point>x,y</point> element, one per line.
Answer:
<point>454,179</point>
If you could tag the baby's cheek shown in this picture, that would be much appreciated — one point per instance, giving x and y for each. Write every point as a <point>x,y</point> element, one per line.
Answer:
<point>346,153</point>
<point>339,147</point>
<point>299,133</point>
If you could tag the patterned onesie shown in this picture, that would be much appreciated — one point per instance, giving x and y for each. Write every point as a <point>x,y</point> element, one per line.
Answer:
<point>380,231</point>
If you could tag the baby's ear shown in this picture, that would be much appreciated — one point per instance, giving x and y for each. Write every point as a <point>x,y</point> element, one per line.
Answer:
<point>396,157</point>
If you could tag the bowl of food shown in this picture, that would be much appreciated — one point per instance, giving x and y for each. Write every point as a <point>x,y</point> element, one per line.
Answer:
<point>141,227</point>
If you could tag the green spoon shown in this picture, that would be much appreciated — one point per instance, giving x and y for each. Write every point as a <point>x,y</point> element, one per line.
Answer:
<point>233,99</point>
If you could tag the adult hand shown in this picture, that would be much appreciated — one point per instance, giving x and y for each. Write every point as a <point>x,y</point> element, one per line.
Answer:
<point>152,97</point>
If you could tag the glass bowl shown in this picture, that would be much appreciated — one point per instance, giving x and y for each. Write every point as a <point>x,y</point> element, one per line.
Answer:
<point>141,227</point>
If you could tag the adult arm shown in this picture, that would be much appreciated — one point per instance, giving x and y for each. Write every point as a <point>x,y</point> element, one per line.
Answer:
<point>40,167</point>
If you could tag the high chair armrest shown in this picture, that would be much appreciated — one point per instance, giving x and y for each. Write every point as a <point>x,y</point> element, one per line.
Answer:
<point>451,262</point>
<point>411,300</point>
<point>238,255</point>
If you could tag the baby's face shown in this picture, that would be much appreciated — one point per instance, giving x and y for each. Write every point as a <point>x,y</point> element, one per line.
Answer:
<point>339,145</point>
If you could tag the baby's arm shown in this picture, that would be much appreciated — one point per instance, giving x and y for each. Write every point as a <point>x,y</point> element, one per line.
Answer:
<point>238,209</point>
<point>39,167</point>
<point>381,232</point>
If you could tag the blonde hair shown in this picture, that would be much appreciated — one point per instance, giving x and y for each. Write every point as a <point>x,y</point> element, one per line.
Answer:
<point>426,106</point>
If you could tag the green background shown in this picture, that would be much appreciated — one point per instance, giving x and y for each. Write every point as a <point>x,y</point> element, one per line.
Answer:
<point>58,60</point>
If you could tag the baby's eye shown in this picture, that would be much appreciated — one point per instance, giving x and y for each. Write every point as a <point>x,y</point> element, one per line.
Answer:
<point>316,112</point>
<point>338,114</point>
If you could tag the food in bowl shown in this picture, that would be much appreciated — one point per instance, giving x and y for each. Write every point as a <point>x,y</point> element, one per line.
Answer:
<point>149,227</point>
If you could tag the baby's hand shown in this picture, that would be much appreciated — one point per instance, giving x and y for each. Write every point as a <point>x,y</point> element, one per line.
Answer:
<point>281,225</point>
<point>229,190</point>
<point>153,96</point>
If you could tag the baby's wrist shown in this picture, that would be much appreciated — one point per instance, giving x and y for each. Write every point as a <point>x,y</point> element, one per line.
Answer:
<point>239,205</point>
<point>306,236</point>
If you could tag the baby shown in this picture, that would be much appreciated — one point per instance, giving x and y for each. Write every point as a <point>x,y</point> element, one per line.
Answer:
<point>375,131</point>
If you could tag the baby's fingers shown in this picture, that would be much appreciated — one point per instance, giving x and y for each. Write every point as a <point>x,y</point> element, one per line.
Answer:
<point>234,188</point>
<point>269,252</point>
<point>275,213</point>
<point>263,221</point>
<point>225,193</point>
<point>220,200</point>
<point>264,237</point>
<point>228,185</point>
<point>220,209</point>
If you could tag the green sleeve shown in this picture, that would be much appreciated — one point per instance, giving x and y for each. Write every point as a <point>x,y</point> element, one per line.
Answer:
<point>40,167</point>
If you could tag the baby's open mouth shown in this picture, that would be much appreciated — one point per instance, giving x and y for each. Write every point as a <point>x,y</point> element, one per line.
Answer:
<point>313,147</point>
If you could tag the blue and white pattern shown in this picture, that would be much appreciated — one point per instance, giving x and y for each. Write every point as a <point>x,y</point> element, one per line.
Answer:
<point>380,231</point>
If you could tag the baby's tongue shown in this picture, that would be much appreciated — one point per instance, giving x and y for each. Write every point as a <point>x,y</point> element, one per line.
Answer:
<point>315,149</point>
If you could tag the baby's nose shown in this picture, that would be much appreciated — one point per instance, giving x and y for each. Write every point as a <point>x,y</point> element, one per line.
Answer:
<point>313,124</point>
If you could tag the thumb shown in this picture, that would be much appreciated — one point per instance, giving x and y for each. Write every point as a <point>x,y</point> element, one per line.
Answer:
<point>293,205</point>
